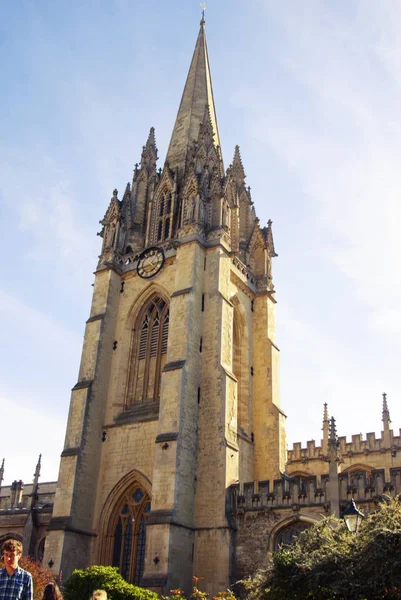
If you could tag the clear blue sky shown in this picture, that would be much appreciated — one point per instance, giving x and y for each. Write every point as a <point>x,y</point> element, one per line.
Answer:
<point>311,93</point>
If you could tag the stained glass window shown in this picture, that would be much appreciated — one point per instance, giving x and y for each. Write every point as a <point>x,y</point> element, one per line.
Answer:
<point>130,534</point>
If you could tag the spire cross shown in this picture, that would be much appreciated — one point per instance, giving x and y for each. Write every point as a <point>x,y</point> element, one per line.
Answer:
<point>384,397</point>
<point>203,7</point>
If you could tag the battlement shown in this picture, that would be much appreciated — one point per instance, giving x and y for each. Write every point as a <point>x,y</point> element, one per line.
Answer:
<point>297,492</point>
<point>358,445</point>
<point>45,496</point>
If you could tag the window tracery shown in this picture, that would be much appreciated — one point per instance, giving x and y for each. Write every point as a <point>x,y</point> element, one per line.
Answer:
<point>241,369</point>
<point>151,333</point>
<point>164,217</point>
<point>130,533</point>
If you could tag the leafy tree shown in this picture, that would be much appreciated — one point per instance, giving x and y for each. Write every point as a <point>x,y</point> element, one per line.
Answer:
<point>326,562</point>
<point>81,584</point>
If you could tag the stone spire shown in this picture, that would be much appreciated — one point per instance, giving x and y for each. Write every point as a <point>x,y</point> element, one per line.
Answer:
<point>1,472</point>
<point>268,234</point>
<point>334,458</point>
<point>36,475</point>
<point>237,168</point>
<point>332,432</point>
<point>325,428</point>
<point>35,485</point>
<point>149,152</point>
<point>386,413</point>
<point>198,94</point>
<point>387,434</point>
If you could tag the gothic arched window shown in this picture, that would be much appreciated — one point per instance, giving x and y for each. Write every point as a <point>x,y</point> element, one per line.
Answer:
<point>241,370</point>
<point>237,363</point>
<point>41,550</point>
<point>286,535</point>
<point>164,217</point>
<point>151,336</point>
<point>130,533</point>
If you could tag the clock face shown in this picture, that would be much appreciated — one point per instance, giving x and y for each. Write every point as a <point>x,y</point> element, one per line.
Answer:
<point>150,262</point>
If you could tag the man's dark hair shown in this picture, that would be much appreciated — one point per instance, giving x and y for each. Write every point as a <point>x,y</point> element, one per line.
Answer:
<point>11,545</point>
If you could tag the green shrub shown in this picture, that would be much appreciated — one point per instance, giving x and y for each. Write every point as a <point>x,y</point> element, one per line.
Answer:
<point>327,562</point>
<point>81,584</point>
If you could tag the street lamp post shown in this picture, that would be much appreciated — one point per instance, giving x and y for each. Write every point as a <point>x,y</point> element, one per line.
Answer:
<point>352,517</point>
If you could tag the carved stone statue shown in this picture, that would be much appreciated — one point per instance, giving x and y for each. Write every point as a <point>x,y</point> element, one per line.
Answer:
<point>192,208</point>
<point>225,215</point>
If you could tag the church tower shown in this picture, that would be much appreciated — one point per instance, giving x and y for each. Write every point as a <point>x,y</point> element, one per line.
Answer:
<point>177,395</point>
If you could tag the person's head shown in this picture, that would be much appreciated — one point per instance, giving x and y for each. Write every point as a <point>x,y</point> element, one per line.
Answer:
<point>11,551</point>
<point>52,592</point>
<point>99,595</point>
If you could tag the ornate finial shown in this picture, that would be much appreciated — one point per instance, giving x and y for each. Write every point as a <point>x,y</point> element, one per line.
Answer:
<point>151,137</point>
<point>333,430</point>
<point>203,7</point>
<point>115,192</point>
<point>205,126</point>
<point>2,471</point>
<point>149,152</point>
<point>269,223</point>
<point>325,413</point>
<point>37,470</point>
<point>237,168</point>
<point>386,412</point>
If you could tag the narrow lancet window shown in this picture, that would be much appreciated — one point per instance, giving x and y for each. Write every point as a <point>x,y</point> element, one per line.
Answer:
<point>150,350</point>
<point>164,217</point>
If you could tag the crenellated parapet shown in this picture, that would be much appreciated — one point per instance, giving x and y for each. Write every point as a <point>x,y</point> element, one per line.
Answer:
<point>370,444</point>
<point>299,493</point>
<point>308,452</point>
<point>357,446</point>
<point>284,493</point>
<point>367,451</point>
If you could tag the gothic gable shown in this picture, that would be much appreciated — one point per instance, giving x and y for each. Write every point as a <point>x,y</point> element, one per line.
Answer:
<point>162,219</point>
<point>257,252</point>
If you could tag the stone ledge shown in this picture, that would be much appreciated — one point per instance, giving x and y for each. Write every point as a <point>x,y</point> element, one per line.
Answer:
<point>82,385</point>
<point>167,437</point>
<point>148,411</point>
<point>154,582</point>
<point>174,366</point>
<point>226,300</point>
<point>96,318</point>
<point>165,517</point>
<point>70,452</point>
<point>64,524</point>
<point>58,524</point>
<point>232,445</point>
<point>182,292</point>
<point>158,517</point>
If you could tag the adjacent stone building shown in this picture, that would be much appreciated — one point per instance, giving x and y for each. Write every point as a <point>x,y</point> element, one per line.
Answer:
<point>175,459</point>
